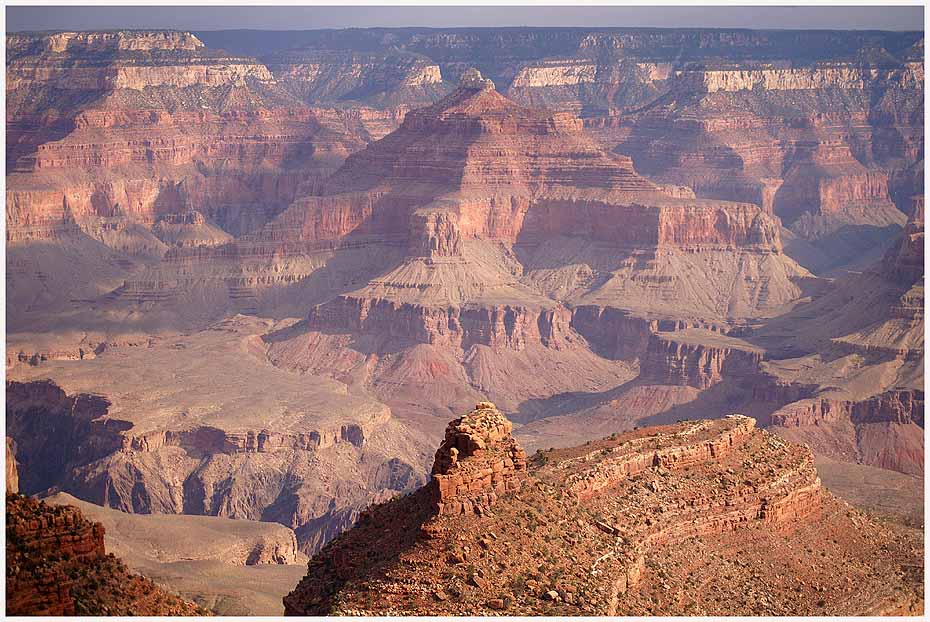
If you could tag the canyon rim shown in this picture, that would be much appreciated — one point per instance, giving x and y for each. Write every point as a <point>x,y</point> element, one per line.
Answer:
<point>473,320</point>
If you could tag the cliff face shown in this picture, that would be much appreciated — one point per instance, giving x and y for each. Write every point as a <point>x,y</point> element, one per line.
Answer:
<point>885,430</point>
<point>124,145</point>
<point>65,443</point>
<point>610,505</point>
<point>57,565</point>
<point>379,79</point>
<point>671,359</point>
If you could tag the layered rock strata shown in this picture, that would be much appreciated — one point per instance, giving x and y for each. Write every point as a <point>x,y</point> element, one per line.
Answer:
<point>108,431</point>
<point>126,144</point>
<point>599,528</point>
<point>885,430</point>
<point>698,359</point>
<point>477,462</point>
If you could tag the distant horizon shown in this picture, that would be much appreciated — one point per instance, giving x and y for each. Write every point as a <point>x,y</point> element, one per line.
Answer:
<point>312,18</point>
<point>195,30</point>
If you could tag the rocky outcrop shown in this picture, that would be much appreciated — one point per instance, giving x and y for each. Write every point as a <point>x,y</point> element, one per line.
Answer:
<point>57,565</point>
<point>477,463</point>
<point>657,493</point>
<point>632,459</point>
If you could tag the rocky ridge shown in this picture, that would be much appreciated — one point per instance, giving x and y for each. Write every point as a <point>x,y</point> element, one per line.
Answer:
<point>591,529</point>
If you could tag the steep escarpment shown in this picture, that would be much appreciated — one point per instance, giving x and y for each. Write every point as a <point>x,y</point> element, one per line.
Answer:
<point>57,565</point>
<point>12,471</point>
<point>624,512</point>
<point>849,363</point>
<point>53,431</point>
<point>477,462</point>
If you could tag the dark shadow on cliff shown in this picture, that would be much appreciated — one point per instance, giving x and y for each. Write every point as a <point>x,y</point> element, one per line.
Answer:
<point>850,247</point>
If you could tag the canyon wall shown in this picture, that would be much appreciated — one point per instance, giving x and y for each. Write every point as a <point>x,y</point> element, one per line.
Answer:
<point>669,359</point>
<point>77,444</point>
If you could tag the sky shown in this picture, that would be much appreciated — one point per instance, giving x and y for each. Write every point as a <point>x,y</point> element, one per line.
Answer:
<point>310,17</point>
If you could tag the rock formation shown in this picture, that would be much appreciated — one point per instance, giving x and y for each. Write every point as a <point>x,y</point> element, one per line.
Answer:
<point>602,529</point>
<point>57,565</point>
<point>124,144</point>
<point>824,128</point>
<point>477,462</point>
<point>693,358</point>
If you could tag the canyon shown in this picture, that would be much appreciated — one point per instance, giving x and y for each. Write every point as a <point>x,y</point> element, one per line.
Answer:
<point>252,276</point>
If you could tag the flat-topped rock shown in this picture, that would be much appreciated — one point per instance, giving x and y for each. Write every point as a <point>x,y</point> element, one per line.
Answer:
<point>471,79</point>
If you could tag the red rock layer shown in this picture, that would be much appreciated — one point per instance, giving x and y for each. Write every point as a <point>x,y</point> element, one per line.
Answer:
<point>635,458</point>
<point>477,463</point>
<point>894,406</point>
<point>592,516</point>
<point>885,430</point>
<point>57,565</point>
